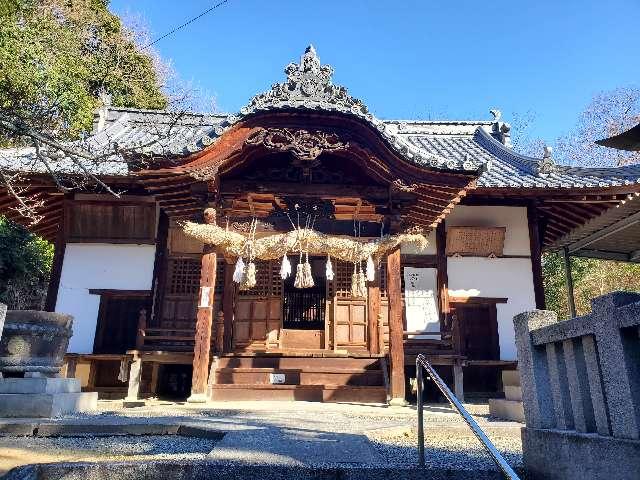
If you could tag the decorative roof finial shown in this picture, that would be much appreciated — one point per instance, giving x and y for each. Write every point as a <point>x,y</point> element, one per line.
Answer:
<point>547,165</point>
<point>500,130</point>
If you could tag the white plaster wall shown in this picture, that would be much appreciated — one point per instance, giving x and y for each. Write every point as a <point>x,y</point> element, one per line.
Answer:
<point>510,278</point>
<point>516,240</point>
<point>99,265</point>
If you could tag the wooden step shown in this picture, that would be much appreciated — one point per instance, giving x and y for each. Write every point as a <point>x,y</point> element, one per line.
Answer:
<point>308,393</point>
<point>310,376</point>
<point>300,363</point>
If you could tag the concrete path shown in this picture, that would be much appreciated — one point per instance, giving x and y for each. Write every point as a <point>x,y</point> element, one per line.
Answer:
<point>295,447</point>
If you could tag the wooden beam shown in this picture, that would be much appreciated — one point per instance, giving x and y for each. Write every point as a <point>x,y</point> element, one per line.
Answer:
<point>396,347</point>
<point>204,318</point>
<point>228,307</point>
<point>535,245</point>
<point>373,313</point>
<point>568,277</point>
<point>442,277</point>
<point>234,187</point>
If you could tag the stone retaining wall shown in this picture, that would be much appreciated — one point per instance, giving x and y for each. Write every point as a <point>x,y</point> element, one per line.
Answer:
<point>581,390</point>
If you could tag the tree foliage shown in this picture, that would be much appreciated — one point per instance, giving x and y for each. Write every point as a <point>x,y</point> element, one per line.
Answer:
<point>609,113</point>
<point>25,264</point>
<point>58,56</point>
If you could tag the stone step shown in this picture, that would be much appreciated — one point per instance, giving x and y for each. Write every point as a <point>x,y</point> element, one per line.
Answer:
<point>511,378</point>
<point>513,393</point>
<point>308,393</point>
<point>315,376</point>
<point>506,409</point>
<point>45,404</point>
<point>39,385</point>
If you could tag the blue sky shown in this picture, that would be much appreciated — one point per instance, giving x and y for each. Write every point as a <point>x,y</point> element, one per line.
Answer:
<point>411,59</point>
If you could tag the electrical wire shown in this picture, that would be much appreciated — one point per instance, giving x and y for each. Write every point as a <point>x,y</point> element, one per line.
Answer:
<point>185,24</point>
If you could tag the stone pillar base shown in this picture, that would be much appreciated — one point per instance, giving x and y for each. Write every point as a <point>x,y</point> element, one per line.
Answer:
<point>564,455</point>
<point>398,402</point>
<point>198,398</point>
<point>44,397</point>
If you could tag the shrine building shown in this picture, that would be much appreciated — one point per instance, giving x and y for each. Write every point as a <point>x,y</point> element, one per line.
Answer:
<point>302,248</point>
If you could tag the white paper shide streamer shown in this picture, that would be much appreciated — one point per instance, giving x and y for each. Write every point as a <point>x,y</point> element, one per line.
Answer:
<point>285,268</point>
<point>329,269</point>
<point>371,270</point>
<point>238,272</point>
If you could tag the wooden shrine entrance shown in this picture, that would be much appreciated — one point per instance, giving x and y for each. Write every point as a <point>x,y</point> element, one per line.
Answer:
<point>276,173</point>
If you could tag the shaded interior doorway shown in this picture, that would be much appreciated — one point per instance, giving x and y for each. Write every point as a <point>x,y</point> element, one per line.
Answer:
<point>117,325</point>
<point>174,381</point>
<point>305,308</point>
<point>478,326</point>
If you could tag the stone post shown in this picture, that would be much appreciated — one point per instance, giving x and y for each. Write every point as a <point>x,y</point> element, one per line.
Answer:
<point>615,364</point>
<point>3,314</point>
<point>534,373</point>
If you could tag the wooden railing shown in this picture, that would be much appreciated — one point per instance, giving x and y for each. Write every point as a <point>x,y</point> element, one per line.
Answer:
<point>175,339</point>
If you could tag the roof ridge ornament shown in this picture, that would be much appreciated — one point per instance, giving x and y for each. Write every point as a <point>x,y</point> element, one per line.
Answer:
<point>500,130</point>
<point>308,85</point>
<point>547,164</point>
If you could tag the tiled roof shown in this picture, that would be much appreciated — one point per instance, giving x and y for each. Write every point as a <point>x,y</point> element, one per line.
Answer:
<point>165,134</point>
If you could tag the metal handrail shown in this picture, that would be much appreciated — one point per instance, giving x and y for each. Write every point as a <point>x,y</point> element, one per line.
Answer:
<point>421,362</point>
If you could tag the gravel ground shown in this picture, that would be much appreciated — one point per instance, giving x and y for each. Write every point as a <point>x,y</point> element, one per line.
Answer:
<point>16,451</point>
<point>446,446</point>
<point>390,430</point>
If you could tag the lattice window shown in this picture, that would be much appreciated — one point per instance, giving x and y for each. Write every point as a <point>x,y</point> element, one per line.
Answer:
<point>184,276</point>
<point>342,278</point>
<point>268,282</point>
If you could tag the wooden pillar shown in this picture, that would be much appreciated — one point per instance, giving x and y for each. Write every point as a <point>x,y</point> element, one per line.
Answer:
<point>58,257</point>
<point>458,380</point>
<point>442,276</point>
<point>373,313</point>
<point>228,306</point>
<point>142,327</point>
<point>72,363</point>
<point>535,245</point>
<point>204,319</point>
<point>396,328</point>
<point>568,277</point>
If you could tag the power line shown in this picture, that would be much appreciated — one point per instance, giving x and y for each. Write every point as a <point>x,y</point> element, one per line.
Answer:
<point>186,23</point>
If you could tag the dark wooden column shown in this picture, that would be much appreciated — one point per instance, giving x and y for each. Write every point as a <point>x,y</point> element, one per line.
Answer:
<point>568,278</point>
<point>442,276</point>
<point>58,256</point>
<point>373,313</point>
<point>204,319</point>
<point>536,255</point>
<point>396,328</point>
<point>228,306</point>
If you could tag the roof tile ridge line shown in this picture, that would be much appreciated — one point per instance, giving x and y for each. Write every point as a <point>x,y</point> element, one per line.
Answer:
<point>626,170</point>
<point>439,122</point>
<point>496,147</point>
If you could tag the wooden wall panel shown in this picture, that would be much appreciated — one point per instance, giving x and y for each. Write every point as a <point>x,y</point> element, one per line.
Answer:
<point>351,324</point>
<point>111,222</point>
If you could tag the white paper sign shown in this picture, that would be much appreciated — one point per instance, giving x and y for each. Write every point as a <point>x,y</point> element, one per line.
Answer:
<point>421,300</point>
<point>205,295</point>
<point>276,378</point>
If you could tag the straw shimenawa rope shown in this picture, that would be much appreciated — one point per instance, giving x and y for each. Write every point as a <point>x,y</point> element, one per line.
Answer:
<point>275,246</point>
